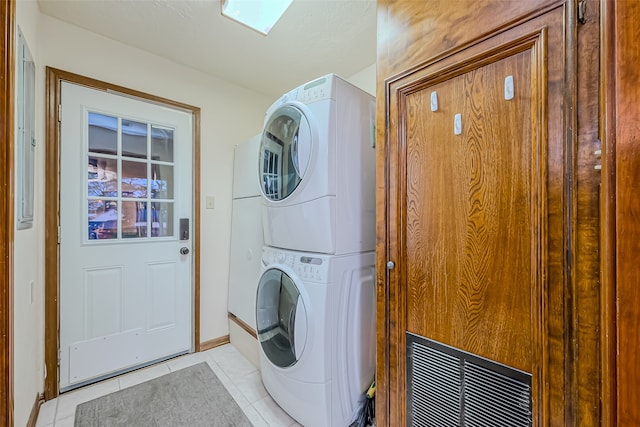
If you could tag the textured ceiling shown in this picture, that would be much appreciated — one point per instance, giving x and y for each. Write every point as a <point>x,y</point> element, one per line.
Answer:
<point>314,37</point>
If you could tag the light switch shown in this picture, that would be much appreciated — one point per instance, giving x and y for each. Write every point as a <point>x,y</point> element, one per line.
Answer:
<point>210,202</point>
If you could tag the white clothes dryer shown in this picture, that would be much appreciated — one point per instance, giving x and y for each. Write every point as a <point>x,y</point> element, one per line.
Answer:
<point>316,327</point>
<point>317,169</point>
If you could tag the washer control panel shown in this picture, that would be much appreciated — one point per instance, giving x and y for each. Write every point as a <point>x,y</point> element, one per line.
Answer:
<point>310,267</point>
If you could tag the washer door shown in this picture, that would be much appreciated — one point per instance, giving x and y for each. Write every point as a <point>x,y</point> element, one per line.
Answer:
<point>285,149</point>
<point>281,318</point>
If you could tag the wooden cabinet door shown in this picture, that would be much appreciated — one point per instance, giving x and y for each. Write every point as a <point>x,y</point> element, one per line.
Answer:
<point>476,199</point>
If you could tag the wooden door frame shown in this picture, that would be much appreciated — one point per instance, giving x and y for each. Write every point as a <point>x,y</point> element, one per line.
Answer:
<point>620,228</point>
<point>7,10</point>
<point>608,213</point>
<point>54,79</point>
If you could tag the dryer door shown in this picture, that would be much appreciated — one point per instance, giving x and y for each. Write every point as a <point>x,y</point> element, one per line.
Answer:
<point>281,318</point>
<point>285,151</point>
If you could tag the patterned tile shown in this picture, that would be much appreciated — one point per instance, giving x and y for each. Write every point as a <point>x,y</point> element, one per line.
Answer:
<point>229,385</point>
<point>47,413</point>
<point>272,413</point>
<point>65,422</point>
<point>251,386</point>
<point>142,375</point>
<point>233,363</point>
<point>67,402</point>
<point>254,417</point>
<point>186,361</point>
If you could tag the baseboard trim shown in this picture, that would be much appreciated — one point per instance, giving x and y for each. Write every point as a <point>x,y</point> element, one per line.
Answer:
<point>242,324</point>
<point>35,410</point>
<point>216,342</point>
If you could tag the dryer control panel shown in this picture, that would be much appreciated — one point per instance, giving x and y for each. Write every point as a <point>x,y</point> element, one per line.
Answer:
<point>316,90</point>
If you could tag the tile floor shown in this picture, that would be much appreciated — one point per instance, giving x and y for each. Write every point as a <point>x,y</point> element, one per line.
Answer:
<point>239,376</point>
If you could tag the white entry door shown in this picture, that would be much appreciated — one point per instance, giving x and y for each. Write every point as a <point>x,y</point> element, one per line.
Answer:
<point>125,238</point>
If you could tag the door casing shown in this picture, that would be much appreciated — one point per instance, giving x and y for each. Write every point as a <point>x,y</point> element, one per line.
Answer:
<point>54,77</point>
<point>7,14</point>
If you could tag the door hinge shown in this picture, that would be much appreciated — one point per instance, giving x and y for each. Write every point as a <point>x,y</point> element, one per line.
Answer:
<point>582,11</point>
<point>60,112</point>
<point>59,356</point>
<point>59,233</point>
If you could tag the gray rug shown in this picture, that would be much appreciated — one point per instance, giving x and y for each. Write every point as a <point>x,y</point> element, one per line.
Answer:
<point>190,397</point>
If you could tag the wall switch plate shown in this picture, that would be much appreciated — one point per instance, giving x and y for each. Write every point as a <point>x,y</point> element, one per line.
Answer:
<point>210,202</point>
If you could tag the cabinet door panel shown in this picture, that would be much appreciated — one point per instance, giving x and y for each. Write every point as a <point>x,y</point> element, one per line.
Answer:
<point>469,215</point>
<point>474,211</point>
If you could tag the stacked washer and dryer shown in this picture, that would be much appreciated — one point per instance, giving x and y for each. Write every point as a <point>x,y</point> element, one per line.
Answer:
<point>315,304</point>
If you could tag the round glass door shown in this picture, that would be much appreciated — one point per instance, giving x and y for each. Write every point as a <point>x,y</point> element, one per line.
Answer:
<point>281,318</point>
<point>285,149</point>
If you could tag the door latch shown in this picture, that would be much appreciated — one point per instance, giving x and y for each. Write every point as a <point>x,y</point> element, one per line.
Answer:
<point>184,228</point>
<point>582,12</point>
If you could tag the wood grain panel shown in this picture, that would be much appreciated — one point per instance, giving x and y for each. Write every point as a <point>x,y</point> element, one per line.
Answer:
<point>412,61</point>
<point>607,135</point>
<point>586,315</point>
<point>410,32</point>
<point>468,219</point>
<point>7,93</point>
<point>627,146</point>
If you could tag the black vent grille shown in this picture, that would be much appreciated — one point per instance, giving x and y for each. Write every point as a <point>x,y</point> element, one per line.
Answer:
<point>450,387</point>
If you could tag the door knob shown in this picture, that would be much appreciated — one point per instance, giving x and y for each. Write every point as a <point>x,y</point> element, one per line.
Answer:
<point>184,251</point>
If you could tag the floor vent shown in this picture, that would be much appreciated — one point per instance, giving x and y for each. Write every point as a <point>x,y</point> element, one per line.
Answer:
<point>447,387</point>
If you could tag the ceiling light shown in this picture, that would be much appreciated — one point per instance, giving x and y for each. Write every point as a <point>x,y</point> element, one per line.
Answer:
<point>259,15</point>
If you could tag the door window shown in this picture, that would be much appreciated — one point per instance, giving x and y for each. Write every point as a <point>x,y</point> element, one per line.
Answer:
<point>130,179</point>
<point>284,152</point>
<point>281,318</point>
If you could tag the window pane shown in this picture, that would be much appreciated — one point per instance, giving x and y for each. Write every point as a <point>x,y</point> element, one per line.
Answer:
<point>103,219</point>
<point>161,219</point>
<point>134,219</point>
<point>102,177</point>
<point>134,139</point>
<point>134,179</point>
<point>103,134</point>
<point>161,144</point>
<point>161,182</point>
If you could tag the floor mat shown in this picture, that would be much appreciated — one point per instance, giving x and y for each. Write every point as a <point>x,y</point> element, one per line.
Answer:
<point>192,397</point>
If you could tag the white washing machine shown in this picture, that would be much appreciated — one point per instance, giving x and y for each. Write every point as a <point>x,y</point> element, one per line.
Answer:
<point>317,169</point>
<point>316,326</point>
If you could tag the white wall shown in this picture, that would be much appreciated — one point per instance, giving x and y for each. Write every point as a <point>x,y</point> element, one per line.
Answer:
<point>229,115</point>
<point>365,79</point>
<point>28,359</point>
